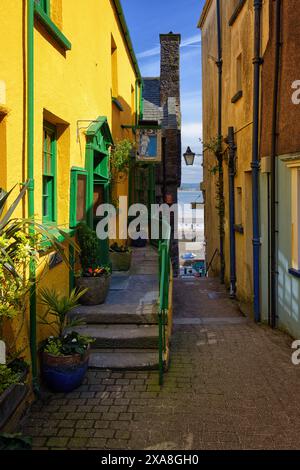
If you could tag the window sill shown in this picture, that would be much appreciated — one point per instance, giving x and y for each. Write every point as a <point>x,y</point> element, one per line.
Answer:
<point>237,96</point>
<point>52,29</point>
<point>294,272</point>
<point>236,12</point>
<point>59,238</point>
<point>117,103</point>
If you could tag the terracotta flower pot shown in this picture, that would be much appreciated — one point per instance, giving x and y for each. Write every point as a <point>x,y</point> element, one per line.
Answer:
<point>98,288</point>
<point>64,373</point>
<point>121,261</point>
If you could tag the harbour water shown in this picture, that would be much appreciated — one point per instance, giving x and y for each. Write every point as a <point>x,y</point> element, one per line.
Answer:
<point>192,226</point>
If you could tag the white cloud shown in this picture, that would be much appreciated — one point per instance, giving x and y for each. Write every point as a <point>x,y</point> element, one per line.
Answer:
<point>194,40</point>
<point>149,53</point>
<point>191,130</point>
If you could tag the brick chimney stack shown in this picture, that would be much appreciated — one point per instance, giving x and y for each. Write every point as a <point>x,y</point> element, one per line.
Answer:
<point>170,68</point>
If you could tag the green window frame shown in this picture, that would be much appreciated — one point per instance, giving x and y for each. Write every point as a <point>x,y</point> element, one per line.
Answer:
<point>78,213</point>
<point>49,203</point>
<point>45,5</point>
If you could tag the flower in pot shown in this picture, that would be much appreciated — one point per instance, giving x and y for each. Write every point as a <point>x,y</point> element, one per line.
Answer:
<point>65,356</point>
<point>120,257</point>
<point>94,277</point>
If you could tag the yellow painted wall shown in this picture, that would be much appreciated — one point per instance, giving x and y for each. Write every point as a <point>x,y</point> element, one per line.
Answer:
<point>236,39</point>
<point>70,87</point>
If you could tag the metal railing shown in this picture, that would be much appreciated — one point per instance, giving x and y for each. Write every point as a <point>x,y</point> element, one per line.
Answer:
<point>164,289</point>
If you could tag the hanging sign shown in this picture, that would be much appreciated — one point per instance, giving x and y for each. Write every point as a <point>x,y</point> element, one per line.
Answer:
<point>148,145</point>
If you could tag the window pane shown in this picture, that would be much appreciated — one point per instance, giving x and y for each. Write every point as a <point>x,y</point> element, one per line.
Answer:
<point>81,198</point>
<point>48,153</point>
<point>45,198</point>
<point>49,179</point>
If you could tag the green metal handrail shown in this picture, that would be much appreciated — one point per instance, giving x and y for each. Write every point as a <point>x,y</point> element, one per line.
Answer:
<point>164,281</point>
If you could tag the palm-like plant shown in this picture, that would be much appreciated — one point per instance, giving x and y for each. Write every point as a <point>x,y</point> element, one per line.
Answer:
<point>58,306</point>
<point>21,240</point>
<point>37,234</point>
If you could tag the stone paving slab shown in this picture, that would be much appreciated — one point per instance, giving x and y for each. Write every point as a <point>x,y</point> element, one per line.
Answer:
<point>230,385</point>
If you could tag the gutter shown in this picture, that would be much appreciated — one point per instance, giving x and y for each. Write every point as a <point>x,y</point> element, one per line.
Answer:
<point>273,254</point>
<point>120,13</point>
<point>30,174</point>
<point>255,165</point>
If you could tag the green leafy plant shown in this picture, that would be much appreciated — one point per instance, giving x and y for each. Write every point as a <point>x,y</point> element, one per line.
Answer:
<point>89,247</point>
<point>7,377</point>
<point>15,442</point>
<point>215,146</point>
<point>58,306</point>
<point>89,253</point>
<point>116,248</point>
<point>120,156</point>
<point>21,240</point>
<point>68,344</point>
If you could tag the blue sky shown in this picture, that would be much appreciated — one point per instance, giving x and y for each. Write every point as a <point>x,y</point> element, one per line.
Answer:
<point>146,19</point>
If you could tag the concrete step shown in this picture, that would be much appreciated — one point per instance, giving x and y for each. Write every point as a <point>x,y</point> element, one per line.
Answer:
<point>116,314</point>
<point>121,336</point>
<point>124,359</point>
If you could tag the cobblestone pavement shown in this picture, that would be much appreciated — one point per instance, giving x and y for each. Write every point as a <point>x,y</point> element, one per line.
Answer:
<point>231,385</point>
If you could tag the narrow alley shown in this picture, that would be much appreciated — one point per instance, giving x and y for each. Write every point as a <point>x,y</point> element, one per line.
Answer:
<point>230,385</point>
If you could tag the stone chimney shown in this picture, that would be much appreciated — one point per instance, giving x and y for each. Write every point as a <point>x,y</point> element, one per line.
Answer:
<point>170,68</point>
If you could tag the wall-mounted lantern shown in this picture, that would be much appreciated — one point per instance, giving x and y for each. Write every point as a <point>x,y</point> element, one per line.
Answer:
<point>189,157</point>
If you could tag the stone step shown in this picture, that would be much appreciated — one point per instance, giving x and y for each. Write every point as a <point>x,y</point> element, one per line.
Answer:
<point>116,314</point>
<point>124,359</point>
<point>121,336</point>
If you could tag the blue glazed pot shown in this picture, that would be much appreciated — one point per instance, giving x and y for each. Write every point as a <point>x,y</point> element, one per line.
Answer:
<point>64,373</point>
<point>139,243</point>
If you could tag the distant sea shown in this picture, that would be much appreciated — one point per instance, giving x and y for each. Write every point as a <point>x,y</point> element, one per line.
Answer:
<point>186,197</point>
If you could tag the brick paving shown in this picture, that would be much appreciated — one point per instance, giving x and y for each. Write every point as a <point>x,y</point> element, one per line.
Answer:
<point>231,385</point>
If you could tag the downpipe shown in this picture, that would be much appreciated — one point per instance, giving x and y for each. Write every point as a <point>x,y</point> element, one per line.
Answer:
<point>219,64</point>
<point>255,165</point>
<point>231,175</point>
<point>30,174</point>
<point>272,229</point>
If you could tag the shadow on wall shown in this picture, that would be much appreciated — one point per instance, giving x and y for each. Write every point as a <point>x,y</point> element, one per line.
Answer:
<point>288,298</point>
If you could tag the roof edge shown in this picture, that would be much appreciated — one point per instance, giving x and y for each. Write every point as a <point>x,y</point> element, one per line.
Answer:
<point>151,78</point>
<point>120,13</point>
<point>204,13</point>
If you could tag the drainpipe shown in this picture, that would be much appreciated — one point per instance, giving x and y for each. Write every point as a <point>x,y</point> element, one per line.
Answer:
<point>141,110</point>
<point>257,62</point>
<point>219,64</point>
<point>231,175</point>
<point>273,254</point>
<point>30,174</point>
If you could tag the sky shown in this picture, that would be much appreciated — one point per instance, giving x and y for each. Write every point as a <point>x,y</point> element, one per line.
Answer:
<point>146,19</point>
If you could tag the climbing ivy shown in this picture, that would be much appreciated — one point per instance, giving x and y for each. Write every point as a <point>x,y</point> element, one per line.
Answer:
<point>215,147</point>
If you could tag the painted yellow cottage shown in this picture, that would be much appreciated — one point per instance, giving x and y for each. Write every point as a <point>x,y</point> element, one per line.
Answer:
<point>69,81</point>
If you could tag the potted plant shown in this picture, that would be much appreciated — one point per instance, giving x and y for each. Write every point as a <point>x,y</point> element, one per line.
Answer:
<point>140,242</point>
<point>13,388</point>
<point>120,158</point>
<point>65,356</point>
<point>94,277</point>
<point>120,257</point>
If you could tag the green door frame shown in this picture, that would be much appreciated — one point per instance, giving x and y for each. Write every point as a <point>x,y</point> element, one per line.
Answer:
<point>98,141</point>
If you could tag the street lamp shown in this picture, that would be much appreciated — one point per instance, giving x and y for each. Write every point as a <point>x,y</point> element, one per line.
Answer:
<point>189,157</point>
